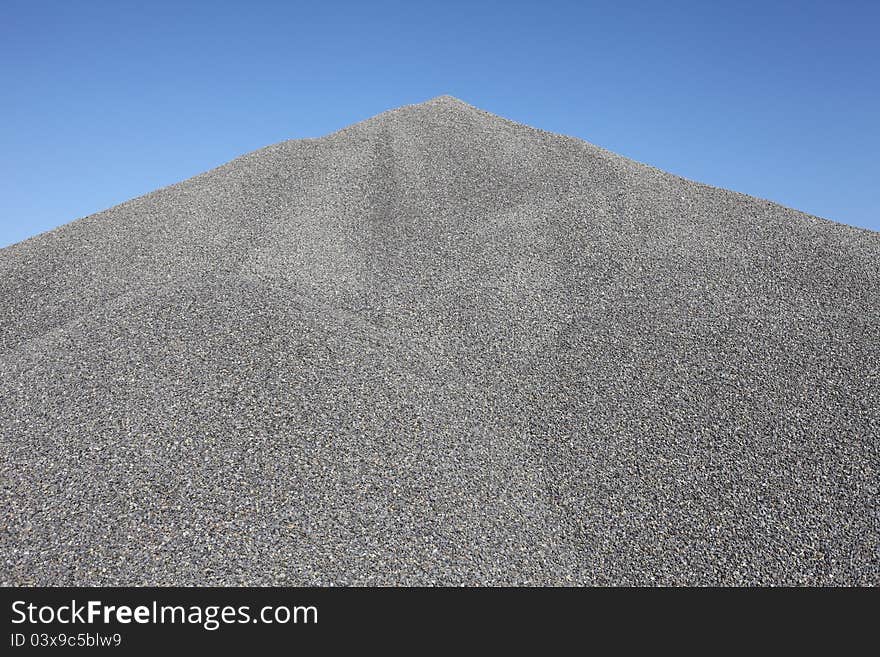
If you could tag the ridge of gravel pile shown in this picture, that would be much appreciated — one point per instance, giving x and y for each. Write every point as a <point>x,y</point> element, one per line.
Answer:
<point>439,347</point>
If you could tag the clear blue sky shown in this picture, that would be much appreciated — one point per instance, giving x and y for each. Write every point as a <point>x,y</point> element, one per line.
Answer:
<point>103,101</point>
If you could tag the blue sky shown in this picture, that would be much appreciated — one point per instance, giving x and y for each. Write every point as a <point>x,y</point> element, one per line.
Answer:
<point>103,101</point>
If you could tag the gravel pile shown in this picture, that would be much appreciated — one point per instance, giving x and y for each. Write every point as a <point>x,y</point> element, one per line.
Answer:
<point>439,347</point>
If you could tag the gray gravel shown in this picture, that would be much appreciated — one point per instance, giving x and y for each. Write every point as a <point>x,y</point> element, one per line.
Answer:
<point>441,347</point>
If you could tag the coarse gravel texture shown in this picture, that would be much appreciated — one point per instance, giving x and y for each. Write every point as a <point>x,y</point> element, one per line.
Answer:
<point>439,347</point>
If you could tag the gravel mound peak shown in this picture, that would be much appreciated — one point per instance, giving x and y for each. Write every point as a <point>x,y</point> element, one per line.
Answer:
<point>440,347</point>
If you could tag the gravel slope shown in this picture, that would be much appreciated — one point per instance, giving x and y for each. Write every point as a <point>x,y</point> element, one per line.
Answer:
<point>441,347</point>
